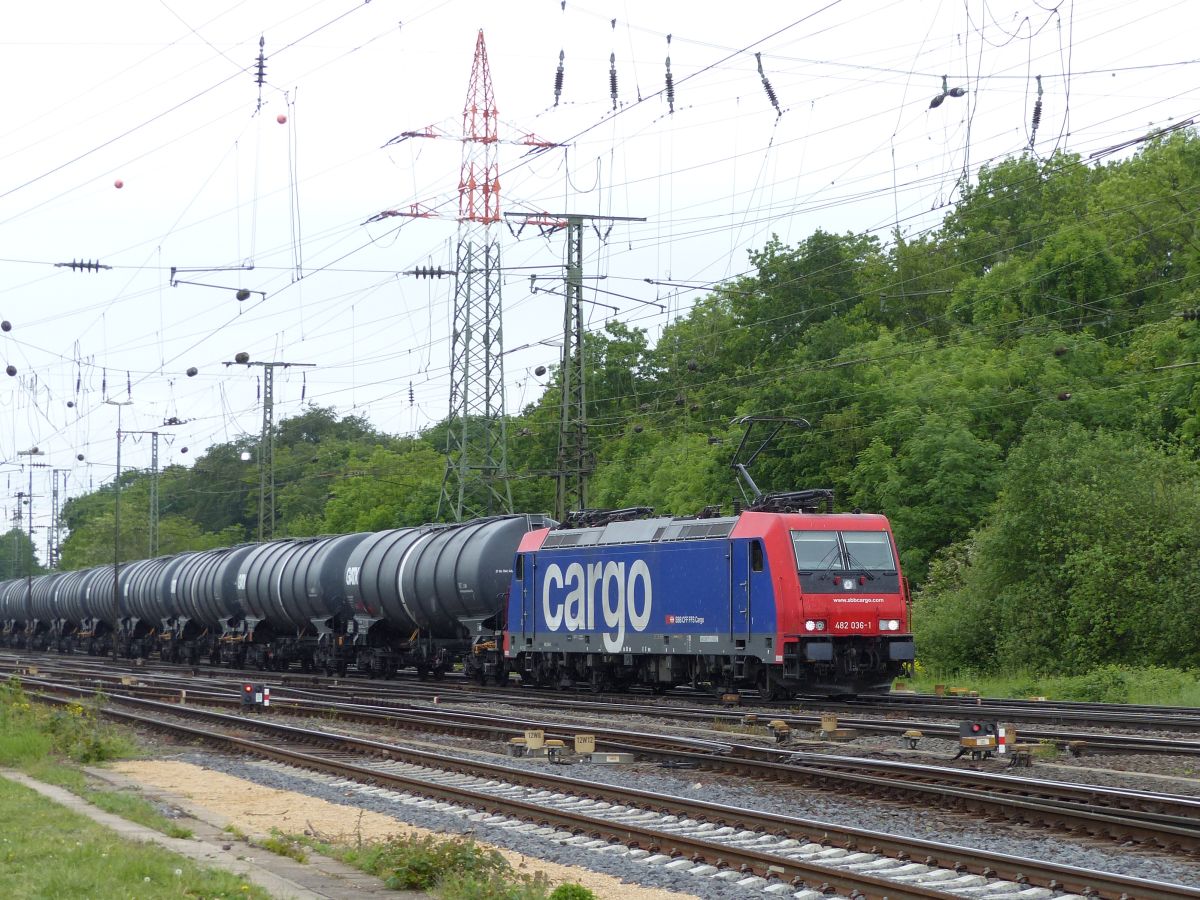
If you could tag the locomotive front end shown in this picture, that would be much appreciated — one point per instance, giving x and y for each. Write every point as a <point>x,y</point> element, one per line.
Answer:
<point>848,630</point>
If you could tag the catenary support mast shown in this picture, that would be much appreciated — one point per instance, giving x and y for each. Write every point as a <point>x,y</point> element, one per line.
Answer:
<point>476,476</point>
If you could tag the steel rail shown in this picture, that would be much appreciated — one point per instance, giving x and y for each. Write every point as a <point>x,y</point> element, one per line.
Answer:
<point>1092,741</point>
<point>1106,886</point>
<point>1168,821</point>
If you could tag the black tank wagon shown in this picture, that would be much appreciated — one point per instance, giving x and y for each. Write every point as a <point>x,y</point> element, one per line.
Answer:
<point>422,597</point>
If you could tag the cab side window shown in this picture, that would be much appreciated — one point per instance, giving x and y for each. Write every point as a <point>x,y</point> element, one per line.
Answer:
<point>756,556</point>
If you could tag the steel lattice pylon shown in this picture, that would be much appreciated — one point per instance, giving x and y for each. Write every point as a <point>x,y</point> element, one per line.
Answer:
<point>476,479</point>
<point>574,460</point>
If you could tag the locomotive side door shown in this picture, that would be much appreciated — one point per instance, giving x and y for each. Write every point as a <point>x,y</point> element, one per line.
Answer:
<point>528,580</point>
<point>739,590</point>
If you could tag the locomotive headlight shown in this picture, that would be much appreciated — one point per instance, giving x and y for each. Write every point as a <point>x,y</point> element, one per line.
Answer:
<point>889,624</point>
<point>810,625</point>
<point>820,624</point>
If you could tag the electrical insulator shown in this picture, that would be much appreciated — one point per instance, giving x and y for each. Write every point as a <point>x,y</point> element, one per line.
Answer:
<point>260,74</point>
<point>242,357</point>
<point>1037,114</point>
<point>539,371</point>
<point>243,294</point>
<point>670,87</point>
<point>767,86</point>
<point>6,325</point>
<point>79,456</point>
<point>612,77</point>
<point>558,77</point>
<point>11,370</point>
<point>192,371</point>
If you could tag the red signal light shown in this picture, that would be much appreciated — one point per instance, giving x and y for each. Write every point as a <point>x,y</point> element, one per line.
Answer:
<point>975,726</point>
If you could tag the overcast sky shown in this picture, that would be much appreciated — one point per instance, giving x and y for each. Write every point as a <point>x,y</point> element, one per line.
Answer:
<point>161,97</point>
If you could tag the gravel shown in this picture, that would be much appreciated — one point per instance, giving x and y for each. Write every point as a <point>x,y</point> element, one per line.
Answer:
<point>448,823</point>
<point>803,803</point>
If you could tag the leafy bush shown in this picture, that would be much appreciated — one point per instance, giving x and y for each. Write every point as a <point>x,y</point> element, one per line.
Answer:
<point>470,886</point>
<point>419,863</point>
<point>28,733</point>
<point>571,891</point>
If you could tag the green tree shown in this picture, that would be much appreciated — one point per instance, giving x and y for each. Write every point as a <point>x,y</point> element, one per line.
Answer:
<point>1088,556</point>
<point>18,556</point>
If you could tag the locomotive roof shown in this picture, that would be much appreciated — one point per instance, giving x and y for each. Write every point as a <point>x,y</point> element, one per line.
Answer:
<point>668,528</point>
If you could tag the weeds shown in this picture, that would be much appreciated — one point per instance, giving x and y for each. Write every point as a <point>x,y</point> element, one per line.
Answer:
<point>453,869</point>
<point>282,845</point>
<point>1152,685</point>
<point>29,733</point>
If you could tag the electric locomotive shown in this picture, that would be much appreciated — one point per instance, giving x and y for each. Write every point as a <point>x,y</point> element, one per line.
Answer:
<point>804,600</point>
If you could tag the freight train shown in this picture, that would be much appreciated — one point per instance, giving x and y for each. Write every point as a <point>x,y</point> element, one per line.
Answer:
<point>785,596</point>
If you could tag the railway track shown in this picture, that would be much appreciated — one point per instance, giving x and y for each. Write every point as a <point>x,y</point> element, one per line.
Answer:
<point>1059,713</point>
<point>702,707</point>
<point>774,852</point>
<point>1165,821</point>
<point>1092,741</point>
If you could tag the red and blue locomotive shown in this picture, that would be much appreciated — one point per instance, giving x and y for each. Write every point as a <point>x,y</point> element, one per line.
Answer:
<point>786,597</point>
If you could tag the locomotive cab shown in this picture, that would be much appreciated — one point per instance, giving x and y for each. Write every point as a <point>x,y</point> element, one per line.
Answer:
<point>849,625</point>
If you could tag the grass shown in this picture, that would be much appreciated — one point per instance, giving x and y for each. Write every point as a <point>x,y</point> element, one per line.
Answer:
<point>450,869</point>
<point>43,741</point>
<point>58,853</point>
<point>281,845</point>
<point>1150,685</point>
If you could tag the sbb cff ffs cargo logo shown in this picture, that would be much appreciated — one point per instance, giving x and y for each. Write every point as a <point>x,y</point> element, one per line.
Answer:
<point>625,596</point>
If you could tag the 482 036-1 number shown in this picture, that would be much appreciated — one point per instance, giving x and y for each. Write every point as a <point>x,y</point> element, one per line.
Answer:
<point>850,626</point>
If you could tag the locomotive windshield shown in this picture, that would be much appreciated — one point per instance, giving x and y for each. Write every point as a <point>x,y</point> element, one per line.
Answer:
<point>844,550</point>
